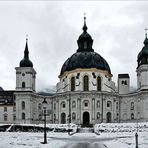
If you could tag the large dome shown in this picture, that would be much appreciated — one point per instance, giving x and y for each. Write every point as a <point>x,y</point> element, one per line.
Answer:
<point>85,57</point>
<point>85,60</point>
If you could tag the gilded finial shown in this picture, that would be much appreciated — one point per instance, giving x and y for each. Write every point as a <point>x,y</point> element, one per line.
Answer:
<point>146,32</point>
<point>84,15</point>
<point>26,37</point>
<point>85,27</point>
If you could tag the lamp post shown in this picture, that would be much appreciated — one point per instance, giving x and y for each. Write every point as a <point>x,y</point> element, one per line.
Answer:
<point>136,135</point>
<point>44,103</point>
<point>136,138</point>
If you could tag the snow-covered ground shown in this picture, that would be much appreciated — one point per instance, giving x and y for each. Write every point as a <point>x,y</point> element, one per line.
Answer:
<point>60,140</point>
<point>115,136</point>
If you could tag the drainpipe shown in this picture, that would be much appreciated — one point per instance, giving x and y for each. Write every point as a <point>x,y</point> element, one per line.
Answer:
<point>102,109</point>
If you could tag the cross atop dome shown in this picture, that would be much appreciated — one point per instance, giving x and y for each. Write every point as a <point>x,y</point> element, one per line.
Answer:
<point>146,39</point>
<point>84,27</point>
<point>146,32</point>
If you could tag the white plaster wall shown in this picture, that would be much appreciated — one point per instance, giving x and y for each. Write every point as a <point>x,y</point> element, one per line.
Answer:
<point>123,89</point>
<point>29,78</point>
<point>106,83</point>
<point>9,113</point>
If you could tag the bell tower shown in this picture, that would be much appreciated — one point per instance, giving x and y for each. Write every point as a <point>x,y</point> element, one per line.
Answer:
<point>25,89</point>
<point>25,73</point>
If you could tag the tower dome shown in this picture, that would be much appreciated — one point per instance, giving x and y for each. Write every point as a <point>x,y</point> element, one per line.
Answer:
<point>143,55</point>
<point>85,57</point>
<point>25,62</point>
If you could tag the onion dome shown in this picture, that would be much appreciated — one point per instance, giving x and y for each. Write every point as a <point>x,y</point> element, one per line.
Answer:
<point>25,62</point>
<point>85,57</point>
<point>143,55</point>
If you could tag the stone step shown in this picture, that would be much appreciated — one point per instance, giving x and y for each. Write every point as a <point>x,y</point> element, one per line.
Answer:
<point>85,130</point>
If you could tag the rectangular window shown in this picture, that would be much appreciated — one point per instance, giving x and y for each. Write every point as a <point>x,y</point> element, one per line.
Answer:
<point>54,106</point>
<point>73,104</point>
<point>14,108</point>
<point>132,105</point>
<point>14,117</point>
<point>63,105</point>
<point>108,104</point>
<point>86,104</point>
<point>5,117</point>
<point>117,106</point>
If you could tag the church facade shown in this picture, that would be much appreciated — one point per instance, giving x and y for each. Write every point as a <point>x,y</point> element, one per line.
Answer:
<point>85,93</point>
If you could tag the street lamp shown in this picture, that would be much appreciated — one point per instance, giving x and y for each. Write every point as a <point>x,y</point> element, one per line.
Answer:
<point>44,103</point>
<point>136,135</point>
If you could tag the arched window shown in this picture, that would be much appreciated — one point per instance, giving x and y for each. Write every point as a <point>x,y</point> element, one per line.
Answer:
<point>40,106</point>
<point>98,115</point>
<point>73,116</point>
<point>72,83</point>
<point>124,82</point>
<point>23,85</point>
<point>23,105</point>
<point>23,116</point>
<point>109,104</point>
<point>98,104</point>
<point>98,83</point>
<point>63,105</point>
<point>117,116</point>
<point>132,116</point>
<point>54,117</point>
<point>73,104</point>
<point>117,105</point>
<point>85,83</point>
<point>132,105</point>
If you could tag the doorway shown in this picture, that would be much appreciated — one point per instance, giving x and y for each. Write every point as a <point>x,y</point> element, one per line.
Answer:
<point>63,118</point>
<point>108,117</point>
<point>86,118</point>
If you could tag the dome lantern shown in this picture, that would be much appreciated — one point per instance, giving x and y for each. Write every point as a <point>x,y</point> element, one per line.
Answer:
<point>85,41</point>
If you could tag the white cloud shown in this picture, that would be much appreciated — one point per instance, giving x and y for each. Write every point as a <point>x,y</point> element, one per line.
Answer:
<point>53,28</point>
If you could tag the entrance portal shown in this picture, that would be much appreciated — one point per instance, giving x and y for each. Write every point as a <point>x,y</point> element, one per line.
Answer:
<point>108,117</point>
<point>86,118</point>
<point>63,118</point>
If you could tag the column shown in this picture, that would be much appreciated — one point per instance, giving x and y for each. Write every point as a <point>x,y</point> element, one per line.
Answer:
<point>79,109</point>
<point>93,108</point>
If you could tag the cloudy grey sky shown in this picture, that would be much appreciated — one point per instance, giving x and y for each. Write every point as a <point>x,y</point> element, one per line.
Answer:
<point>54,27</point>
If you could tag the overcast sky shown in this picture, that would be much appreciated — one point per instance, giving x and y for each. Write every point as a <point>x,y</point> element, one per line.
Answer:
<point>54,27</point>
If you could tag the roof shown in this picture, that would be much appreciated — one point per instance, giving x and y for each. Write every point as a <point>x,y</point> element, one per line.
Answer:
<point>85,57</point>
<point>7,97</point>
<point>123,75</point>
<point>25,62</point>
